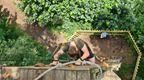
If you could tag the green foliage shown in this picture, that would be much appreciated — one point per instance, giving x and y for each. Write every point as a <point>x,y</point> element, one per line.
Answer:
<point>138,8</point>
<point>126,69</point>
<point>22,51</point>
<point>138,33</point>
<point>47,12</point>
<point>119,17</point>
<point>17,48</point>
<point>68,28</point>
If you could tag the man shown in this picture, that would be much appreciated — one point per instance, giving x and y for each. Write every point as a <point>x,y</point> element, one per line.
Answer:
<point>78,49</point>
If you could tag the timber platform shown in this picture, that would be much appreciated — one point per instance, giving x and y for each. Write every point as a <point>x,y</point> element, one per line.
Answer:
<point>61,73</point>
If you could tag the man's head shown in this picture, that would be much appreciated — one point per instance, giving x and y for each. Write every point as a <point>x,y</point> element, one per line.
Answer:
<point>72,49</point>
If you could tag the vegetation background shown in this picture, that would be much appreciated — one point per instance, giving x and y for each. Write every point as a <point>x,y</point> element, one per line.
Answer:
<point>67,16</point>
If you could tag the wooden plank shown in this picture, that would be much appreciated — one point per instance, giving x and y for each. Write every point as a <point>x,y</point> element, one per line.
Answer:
<point>83,75</point>
<point>70,75</point>
<point>76,68</point>
<point>23,74</point>
<point>63,68</point>
<point>32,67</point>
<point>50,75</point>
<point>62,73</point>
<point>30,74</point>
<point>34,74</point>
<point>39,71</point>
<point>59,74</point>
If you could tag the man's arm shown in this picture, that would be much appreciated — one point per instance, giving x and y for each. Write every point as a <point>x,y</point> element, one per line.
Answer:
<point>57,55</point>
<point>84,56</point>
<point>85,52</point>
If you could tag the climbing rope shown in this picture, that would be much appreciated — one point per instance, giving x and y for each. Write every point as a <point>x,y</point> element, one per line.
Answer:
<point>99,75</point>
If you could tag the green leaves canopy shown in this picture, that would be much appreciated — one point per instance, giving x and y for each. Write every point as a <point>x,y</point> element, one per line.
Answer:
<point>44,11</point>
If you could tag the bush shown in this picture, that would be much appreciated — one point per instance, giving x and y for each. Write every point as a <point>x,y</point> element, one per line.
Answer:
<point>55,11</point>
<point>119,17</point>
<point>138,33</point>
<point>22,51</point>
<point>68,28</point>
<point>17,48</point>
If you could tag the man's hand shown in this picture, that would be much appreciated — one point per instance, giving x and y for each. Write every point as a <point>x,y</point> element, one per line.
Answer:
<point>101,59</point>
<point>78,62</point>
<point>54,63</point>
<point>56,57</point>
<point>5,75</point>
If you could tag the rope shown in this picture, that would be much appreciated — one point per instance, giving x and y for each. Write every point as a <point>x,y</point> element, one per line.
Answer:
<point>60,65</point>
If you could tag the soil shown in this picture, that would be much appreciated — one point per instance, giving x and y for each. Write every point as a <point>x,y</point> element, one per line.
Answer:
<point>10,5</point>
<point>116,46</point>
<point>41,34</point>
<point>111,46</point>
<point>47,38</point>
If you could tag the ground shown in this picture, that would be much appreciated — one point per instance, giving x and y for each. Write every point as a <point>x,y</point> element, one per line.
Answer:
<point>41,34</point>
<point>116,46</point>
<point>12,8</point>
<point>113,46</point>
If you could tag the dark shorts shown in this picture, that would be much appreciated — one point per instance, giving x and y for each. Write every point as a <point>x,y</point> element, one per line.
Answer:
<point>91,55</point>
